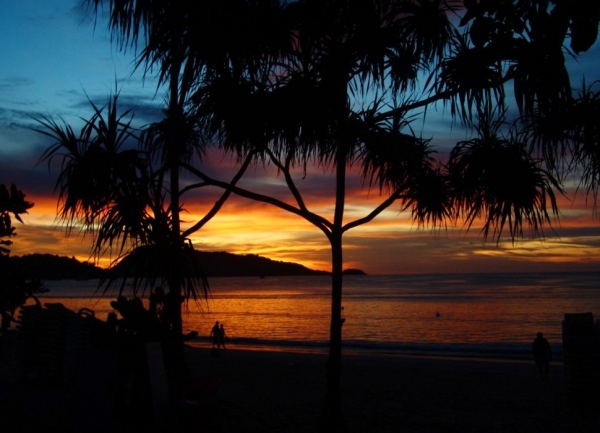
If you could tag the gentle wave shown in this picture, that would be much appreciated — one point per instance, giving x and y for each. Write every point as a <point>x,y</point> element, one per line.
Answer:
<point>513,351</point>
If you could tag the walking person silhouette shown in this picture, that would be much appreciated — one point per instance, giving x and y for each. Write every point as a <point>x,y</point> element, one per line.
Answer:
<point>221,337</point>
<point>542,353</point>
<point>214,333</point>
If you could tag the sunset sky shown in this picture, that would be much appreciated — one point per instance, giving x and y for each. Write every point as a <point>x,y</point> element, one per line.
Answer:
<point>51,57</point>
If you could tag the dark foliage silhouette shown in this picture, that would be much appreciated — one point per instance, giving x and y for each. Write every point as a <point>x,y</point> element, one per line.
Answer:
<point>12,202</point>
<point>339,84</point>
<point>16,284</point>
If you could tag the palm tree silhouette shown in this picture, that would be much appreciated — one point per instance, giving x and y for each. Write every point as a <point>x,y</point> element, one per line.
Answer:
<point>339,83</point>
<point>352,83</point>
<point>130,198</point>
<point>17,285</point>
<point>111,187</point>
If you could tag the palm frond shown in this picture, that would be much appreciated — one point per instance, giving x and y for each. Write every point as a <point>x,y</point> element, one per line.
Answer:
<point>425,24</point>
<point>175,138</point>
<point>428,197</point>
<point>392,159</point>
<point>497,180</point>
<point>94,165</point>
<point>473,78</point>
<point>568,137</point>
<point>148,266</point>
<point>541,80</point>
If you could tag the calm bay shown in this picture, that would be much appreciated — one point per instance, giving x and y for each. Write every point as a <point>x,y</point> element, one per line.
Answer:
<point>481,315</point>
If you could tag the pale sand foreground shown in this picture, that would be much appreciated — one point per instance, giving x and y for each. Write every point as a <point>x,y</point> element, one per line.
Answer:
<point>282,392</point>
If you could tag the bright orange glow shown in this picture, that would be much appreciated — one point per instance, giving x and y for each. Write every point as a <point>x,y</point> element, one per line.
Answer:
<point>391,243</point>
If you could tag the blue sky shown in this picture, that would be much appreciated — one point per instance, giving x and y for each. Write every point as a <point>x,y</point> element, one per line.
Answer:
<point>53,59</point>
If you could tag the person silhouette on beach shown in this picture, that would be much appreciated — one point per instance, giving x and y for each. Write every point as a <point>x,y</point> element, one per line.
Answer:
<point>542,353</point>
<point>221,337</point>
<point>214,333</point>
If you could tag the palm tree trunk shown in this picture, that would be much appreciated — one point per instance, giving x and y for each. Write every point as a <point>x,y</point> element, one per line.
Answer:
<point>177,373</point>
<point>332,418</point>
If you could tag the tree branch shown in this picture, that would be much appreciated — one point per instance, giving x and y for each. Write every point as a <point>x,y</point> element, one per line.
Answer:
<point>219,203</point>
<point>316,220</point>
<point>192,187</point>
<point>438,96</point>
<point>288,179</point>
<point>383,206</point>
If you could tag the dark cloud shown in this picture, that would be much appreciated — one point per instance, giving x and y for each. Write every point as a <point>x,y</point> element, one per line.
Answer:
<point>144,108</point>
<point>12,83</point>
<point>34,181</point>
<point>16,118</point>
<point>591,233</point>
<point>20,150</point>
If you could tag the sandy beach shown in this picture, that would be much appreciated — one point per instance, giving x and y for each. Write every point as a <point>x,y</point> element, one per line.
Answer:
<point>258,391</point>
<point>282,392</point>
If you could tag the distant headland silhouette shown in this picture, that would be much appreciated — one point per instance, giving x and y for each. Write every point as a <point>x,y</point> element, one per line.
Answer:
<point>215,264</point>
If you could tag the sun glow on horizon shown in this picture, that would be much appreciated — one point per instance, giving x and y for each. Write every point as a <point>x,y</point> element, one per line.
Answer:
<point>390,244</point>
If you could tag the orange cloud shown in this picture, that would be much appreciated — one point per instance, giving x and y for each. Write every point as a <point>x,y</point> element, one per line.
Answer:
<point>391,243</point>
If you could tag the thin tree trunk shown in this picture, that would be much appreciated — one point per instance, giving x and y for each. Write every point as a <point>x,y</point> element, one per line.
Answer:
<point>332,418</point>
<point>178,369</point>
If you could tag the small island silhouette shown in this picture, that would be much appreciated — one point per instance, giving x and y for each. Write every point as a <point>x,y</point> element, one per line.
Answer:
<point>215,264</point>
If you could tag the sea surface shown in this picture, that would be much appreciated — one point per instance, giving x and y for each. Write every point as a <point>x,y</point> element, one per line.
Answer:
<point>481,315</point>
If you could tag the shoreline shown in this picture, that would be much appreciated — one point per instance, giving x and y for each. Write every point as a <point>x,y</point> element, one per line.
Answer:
<point>485,351</point>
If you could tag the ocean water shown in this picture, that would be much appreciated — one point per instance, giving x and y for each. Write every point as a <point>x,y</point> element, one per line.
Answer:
<point>483,315</point>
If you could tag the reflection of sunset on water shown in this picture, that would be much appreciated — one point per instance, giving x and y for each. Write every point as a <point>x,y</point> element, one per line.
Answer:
<point>497,312</point>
